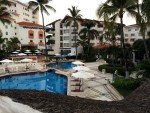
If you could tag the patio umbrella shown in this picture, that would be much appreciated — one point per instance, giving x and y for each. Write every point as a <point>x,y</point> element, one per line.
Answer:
<point>83,74</point>
<point>81,68</point>
<point>27,52</point>
<point>21,54</point>
<point>6,61</point>
<point>15,52</point>
<point>57,54</point>
<point>38,52</point>
<point>26,60</point>
<point>78,63</point>
<point>18,50</point>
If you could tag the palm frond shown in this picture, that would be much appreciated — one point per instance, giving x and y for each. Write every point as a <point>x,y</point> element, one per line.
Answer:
<point>50,8</point>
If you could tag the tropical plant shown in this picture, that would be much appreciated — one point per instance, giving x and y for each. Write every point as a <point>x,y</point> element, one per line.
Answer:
<point>74,16</point>
<point>115,9</point>
<point>89,33</point>
<point>43,7</point>
<point>138,46</point>
<point>14,43</point>
<point>2,40</point>
<point>5,16</point>
<point>143,68</point>
<point>82,42</point>
<point>143,21</point>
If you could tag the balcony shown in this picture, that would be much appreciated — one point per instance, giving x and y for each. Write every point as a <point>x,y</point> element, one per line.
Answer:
<point>31,43</point>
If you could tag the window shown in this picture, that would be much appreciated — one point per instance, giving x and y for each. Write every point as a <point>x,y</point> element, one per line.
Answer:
<point>126,35</point>
<point>66,44</point>
<point>132,34</point>
<point>15,33</point>
<point>66,31</point>
<point>129,30</point>
<point>41,35</point>
<point>15,27</point>
<point>41,41</point>
<point>6,26</point>
<point>31,40</point>
<point>60,25</point>
<point>6,33</point>
<point>66,37</point>
<point>74,38</point>
<point>31,34</point>
<point>136,29</point>
<point>61,38</point>
<point>61,32</point>
<point>61,44</point>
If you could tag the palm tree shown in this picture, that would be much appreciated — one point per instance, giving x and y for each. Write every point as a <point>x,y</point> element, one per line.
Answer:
<point>5,16</point>
<point>143,21</point>
<point>74,16</point>
<point>88,32</point>
<point>14,43</point>
<point>2,40</point>
<point>114,9</point>
<point>42,6</point>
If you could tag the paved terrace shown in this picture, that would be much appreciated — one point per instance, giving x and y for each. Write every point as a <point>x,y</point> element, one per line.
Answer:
<point>98,88</point>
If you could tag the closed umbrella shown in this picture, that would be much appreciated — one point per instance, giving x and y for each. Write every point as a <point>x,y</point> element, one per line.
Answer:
<point>81,68</point>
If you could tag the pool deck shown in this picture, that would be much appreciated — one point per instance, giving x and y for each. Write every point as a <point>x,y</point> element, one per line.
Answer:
<point>98,88</point>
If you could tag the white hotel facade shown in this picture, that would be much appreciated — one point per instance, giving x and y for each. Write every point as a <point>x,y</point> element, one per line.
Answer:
<point>24,25</point>
<point>65,37</point>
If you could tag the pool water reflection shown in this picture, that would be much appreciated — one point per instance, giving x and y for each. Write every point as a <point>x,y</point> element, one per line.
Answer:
<point>63,65</point>
<point>49,81</point>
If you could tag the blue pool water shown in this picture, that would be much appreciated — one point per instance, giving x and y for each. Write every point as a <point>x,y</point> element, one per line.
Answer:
<point>48,81</point>
<point>63,65</point>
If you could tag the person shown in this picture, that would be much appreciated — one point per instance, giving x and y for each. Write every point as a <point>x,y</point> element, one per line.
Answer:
<point>115,74</point>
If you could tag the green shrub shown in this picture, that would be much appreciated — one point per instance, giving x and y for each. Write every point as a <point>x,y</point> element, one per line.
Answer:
<point>110,68</point>
<point>128,84</point>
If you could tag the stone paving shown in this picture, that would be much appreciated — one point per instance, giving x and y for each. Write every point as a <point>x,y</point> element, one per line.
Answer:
<point>98,88</point>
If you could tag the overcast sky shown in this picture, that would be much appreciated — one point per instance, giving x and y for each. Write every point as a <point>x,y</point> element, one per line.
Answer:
<point>87,7</point>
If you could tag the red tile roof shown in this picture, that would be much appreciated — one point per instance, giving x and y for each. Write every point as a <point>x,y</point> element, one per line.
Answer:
<point>29,24</point>
<point>101,46</point>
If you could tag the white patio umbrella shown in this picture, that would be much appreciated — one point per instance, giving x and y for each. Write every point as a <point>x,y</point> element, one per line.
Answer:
<point>38,52</point>
<point>57,54</point>
<point>26,60</point>
<point>81,68</point>
<point>83,74</point>
<point>6,61</point>
<point>27,52</point>
<point>18,50</point>
<point>21,54</point>
<point>15,52</point>
<point>78,63</point>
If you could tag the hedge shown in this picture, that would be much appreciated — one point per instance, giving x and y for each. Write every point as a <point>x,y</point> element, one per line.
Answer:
<point>129,84</point>
<point>110,68</point>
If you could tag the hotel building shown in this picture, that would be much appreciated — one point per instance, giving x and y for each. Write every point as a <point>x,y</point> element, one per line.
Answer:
<point>65,36</point>
<point>23,26</point>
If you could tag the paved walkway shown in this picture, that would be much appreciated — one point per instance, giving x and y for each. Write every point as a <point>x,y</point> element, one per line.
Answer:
<point>98,88</point>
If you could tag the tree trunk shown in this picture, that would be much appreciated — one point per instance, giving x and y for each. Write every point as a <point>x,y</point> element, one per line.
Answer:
<point>145,46</point>
<point>75,41</point>
<point>123,49</point>
<point>44,34</point>
<point>88,43</point>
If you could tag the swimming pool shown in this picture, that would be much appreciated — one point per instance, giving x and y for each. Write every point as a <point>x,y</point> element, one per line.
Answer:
<point>48,81</point>
<point>63,65</point>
